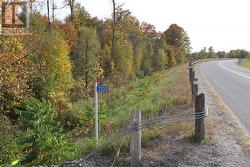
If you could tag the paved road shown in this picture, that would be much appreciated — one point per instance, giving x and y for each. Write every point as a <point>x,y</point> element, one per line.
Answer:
<point>232,82</point>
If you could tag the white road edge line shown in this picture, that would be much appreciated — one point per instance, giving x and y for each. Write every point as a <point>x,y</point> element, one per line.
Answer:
<point>233,71</point>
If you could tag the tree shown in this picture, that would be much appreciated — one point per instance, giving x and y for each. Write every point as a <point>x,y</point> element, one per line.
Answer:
<point>211,53</point>
<point>113,29</point>
<point>50,71</point>
<point>160,60</point>
<point>105,34</point>
<point>81,16</point>
<point>44,142</point>
<point>124,56</point>
<point>107,62</point>
<point>129,26</point>
<point>70,34</point>
<point>203,53</point>
<point>221,54</point>
<point>13,73</point>
<point>53,10</point>
<point>147,65</point>
<point>53,68</point>
<point>238,54</point>
<point>149,31</point>
<point>86,63</point>
<point>171,57</point>
<point>137,58</point>
<point>71,4</point>
<point>48,14</point>
<point>178,38</point>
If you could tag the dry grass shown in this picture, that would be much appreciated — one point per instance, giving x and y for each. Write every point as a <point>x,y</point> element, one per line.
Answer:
<point>210,131</point>
<point>179,90</point>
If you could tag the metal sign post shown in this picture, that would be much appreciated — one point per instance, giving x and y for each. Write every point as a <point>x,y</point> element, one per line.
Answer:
<point>98,89</point>
<point>96,113</point>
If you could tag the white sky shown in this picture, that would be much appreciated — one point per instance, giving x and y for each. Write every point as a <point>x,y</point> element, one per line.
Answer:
<point>223,24</point>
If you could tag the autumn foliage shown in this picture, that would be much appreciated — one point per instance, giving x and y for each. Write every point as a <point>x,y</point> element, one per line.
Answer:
<point>44,73</point>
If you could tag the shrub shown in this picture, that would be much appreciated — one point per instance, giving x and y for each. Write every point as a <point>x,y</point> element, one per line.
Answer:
<point>70,120</point>
<point>43,142</point>
<point>82,116</point>
<point>9,150</point>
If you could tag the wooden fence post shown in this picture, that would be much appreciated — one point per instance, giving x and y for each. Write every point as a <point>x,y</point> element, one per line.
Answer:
<point>135,142</point>
<point>194,88</point>
<point>193,75</point>
<point>200,123</point>
<point>190,72</point>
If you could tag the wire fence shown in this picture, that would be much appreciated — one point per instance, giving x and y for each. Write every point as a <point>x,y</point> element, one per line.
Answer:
<point>170,119</point>
<point>147,124</point>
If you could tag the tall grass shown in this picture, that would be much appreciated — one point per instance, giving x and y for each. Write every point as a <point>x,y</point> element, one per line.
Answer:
<point>245,63</point>
<point>153,95</point>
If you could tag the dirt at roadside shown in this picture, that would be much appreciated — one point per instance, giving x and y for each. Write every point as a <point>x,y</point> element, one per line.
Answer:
<point>226,145</point>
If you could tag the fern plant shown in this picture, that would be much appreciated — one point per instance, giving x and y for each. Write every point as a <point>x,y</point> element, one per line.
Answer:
<point>44,143</point>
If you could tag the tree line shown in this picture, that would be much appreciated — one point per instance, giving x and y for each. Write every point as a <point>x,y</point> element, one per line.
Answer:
<point>210,53</point>
<point>60,60</point>
<point>42,74</point>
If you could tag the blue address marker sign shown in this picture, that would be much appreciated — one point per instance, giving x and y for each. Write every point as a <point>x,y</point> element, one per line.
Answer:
<point>102,89</point>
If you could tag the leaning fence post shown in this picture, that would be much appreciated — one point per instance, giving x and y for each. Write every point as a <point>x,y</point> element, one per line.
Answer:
<point>135,142</point>
<point>199,118</point>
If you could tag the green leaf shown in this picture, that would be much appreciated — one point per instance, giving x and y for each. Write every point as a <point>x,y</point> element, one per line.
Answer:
<point>14,163</point>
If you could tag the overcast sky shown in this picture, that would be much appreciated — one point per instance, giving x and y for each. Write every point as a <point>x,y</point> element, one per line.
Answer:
<point>223,24</point>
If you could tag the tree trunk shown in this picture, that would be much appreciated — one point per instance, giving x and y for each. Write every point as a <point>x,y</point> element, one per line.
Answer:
<point>53,10</point>
<point>31,5</point>
<point>86,63</point>
<point>71,5</point>
<point>48,10</point>
<point>113,30</point>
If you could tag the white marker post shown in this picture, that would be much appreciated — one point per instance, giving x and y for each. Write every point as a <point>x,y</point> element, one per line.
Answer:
<point>96,113</point>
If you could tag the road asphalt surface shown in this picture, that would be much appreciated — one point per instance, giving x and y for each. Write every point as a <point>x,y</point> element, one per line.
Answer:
<point>232,82</point>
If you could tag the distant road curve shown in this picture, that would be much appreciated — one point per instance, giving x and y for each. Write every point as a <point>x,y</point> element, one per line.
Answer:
<point>232,82</point>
